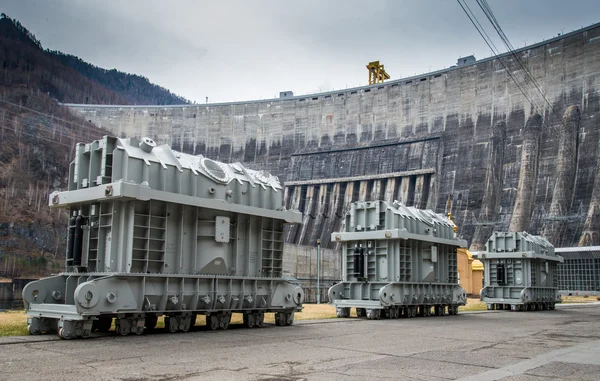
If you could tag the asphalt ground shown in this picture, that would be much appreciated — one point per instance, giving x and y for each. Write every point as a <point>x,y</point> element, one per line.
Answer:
<point>545,345</point>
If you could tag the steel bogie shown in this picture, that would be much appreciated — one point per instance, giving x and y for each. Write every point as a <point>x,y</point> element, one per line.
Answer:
<point>520,272</point>
<point>397,261</point>
<point>157,232</point>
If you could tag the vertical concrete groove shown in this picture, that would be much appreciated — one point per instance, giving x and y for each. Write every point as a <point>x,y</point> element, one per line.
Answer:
<point>555,226</point>
<point>488,214</point>
<point>521,214</point>
<point>590,234</point>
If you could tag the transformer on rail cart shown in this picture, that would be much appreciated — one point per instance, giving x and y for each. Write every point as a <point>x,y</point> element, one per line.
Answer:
<point>519,272</point>
<point>157,232</point>
<point>397,261</point>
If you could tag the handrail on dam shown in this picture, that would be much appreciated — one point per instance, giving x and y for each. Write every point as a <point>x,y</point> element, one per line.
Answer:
<point>341,92</point>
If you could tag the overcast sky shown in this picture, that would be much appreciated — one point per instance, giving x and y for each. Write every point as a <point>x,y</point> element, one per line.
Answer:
<point>229,50</point>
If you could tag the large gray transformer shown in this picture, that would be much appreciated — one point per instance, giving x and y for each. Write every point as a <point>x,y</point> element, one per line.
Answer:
<point>397,261</point>
<point>520,272</point>
<point>157,232</point>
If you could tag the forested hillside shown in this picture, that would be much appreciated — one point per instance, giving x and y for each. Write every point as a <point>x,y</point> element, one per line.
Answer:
<point>134,88</point>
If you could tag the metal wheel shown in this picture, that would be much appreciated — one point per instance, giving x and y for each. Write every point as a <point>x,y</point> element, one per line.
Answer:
<point>224,320</point>
<point>280,318</point>
<point>212,322</point>
<point>260,319</point>
<point>171,324</point>
<point>361,312</point>
<point>121,329</point>
<point>342,312</point>
<point>289,319</point>
<point>250,320</point>
<point>33,330</point>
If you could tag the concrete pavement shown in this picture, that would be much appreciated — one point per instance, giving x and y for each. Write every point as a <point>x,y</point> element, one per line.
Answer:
<point>501,345</point>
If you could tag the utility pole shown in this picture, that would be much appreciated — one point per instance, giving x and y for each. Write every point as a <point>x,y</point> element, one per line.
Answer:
<point>318,271</point>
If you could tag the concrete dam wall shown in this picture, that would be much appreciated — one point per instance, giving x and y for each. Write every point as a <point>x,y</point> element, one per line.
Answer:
<point>463,140</point>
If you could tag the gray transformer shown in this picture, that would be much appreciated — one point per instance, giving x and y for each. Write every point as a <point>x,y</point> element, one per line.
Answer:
<point>520,272</point>
<point>157,232</point>
<point>397,261</point>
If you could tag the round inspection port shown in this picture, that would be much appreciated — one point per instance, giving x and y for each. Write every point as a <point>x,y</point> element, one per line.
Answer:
<point>147,145</point>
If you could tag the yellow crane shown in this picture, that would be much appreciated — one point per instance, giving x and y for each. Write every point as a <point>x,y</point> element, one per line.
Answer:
<point>377,73</point>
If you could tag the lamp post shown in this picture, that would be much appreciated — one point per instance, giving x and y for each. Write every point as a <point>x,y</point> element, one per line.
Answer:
<point>318,271</point>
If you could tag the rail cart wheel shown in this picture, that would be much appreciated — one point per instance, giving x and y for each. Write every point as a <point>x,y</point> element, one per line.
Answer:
<point>289,318</point>
<point>373,314</point>
<point>212,322</point>
<point>121,329</point>
<point>32,330</point>
<point>185,323</point>
<point>66,334</point>
<point>361,312</point>
<point>250,320</point>
<point>224,320</point>
<point>171,324</point>
<point>150,322</point>
<point>342,312</point>
<point>103,324</point>
<point>260,319</point>
<point>370,314</point>
<point>280,318</point>
<point>552,306</point>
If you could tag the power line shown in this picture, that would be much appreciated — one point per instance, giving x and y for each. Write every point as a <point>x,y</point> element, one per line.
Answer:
<point>526,74</point>
<point>36,136</point>
<point>492,47</point>
<point>487,10</point>
<point>88,127</point>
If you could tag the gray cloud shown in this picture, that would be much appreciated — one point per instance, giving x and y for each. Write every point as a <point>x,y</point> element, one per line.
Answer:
<point>235,49</point>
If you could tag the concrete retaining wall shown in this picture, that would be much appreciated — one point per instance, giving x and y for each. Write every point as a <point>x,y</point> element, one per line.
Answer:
<point>300,262</point>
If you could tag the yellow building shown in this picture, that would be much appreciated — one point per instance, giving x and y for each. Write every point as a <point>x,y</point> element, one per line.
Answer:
<point>470,272</point>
